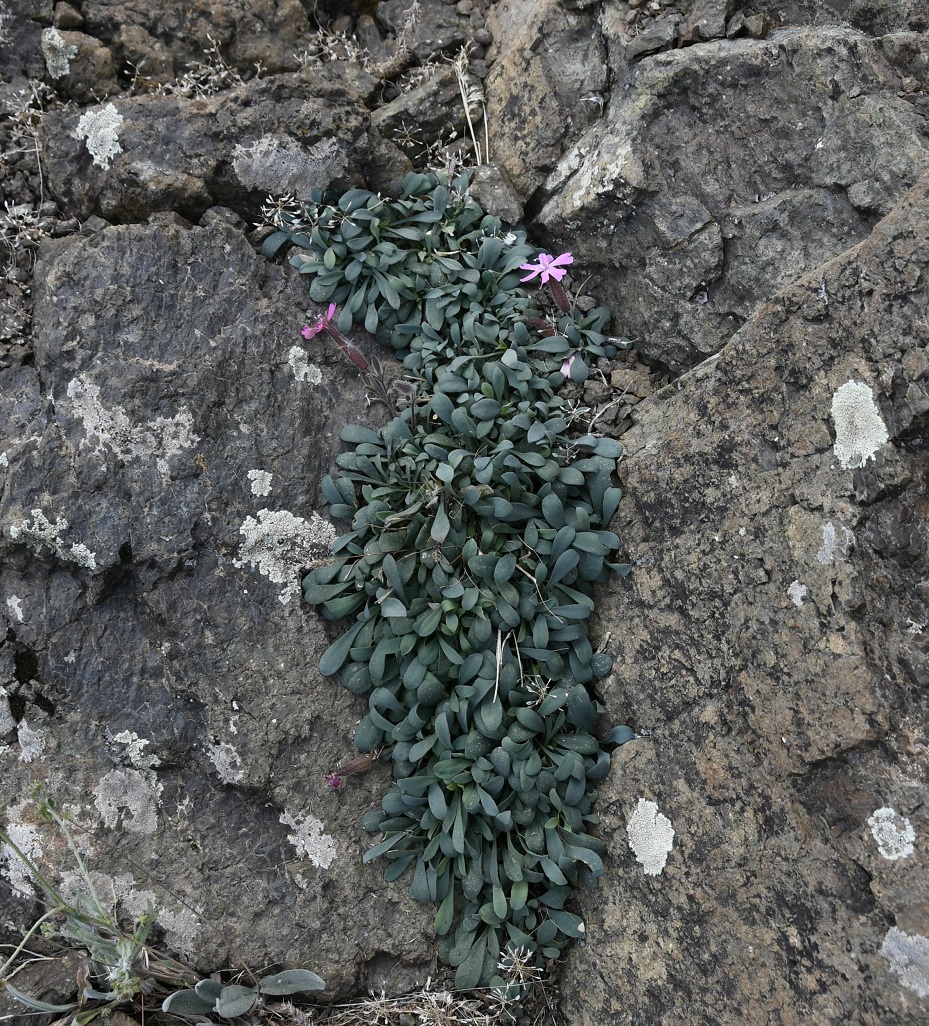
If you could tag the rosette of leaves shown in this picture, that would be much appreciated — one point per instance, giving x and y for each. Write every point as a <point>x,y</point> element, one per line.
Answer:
<point>477,530</point>
<point>505,835</point>
<point>390,264</point>
<point>230,1000</point>
<point>466,528</point>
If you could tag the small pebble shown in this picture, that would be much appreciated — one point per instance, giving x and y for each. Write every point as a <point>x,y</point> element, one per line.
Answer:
<point>483,37</point>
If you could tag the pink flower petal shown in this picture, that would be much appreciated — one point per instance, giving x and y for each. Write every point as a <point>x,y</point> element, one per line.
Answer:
<point>566,366</point>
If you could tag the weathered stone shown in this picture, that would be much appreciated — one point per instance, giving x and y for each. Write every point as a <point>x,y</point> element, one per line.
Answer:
<point>716,129</point>
<point>67,17</point>
<point>424,115</point>
<point>710,17</point>
<point>548,74</point>
<point>758,26</point>
<point>159,485</point>
<point>187,155</point>
<point>50,979</point>
<point>493,192</point>
<point>660,35</point>
<point>770,636</point>
<point>736,25</point>
<point>437,28</point>
<point>873,16</point>
<point>268,31</point>
<point>91,74</point>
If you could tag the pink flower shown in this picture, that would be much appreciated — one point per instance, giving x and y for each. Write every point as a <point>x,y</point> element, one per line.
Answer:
<point>547,267</point>
<point>312,332</point>
<point>334,781</point>
<point>566,366</point>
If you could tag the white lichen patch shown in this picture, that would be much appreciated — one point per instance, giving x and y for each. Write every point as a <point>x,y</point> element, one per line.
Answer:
<point>135,750</point>
<point>797,593</point>
<point>4,460</point>
<point>909,959</point>
<point>309,840</point>
<point>5,17</point>
<point>100,130</point>
<point>40,532</point>
<point>651,837</point>
<point>129,798</point>
<point>180,924</point>
<point>58,55</point>
<point>894,834</point>
<point>280,545</point>
<point>182,927</point>
<point>227,762</point>
<point>835,542</point>
<point>31,742</point>
<point>279,165</point>
<point>26,838</point>
<point>260,482</point>
<point>859,429</point>
<point>302,368</point>
<point>14,607</point>
<point>162,437</point>
<point>7,722</point>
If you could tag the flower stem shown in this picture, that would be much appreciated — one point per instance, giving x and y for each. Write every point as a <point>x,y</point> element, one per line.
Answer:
<point>351,351</point>
<point>559,295</point>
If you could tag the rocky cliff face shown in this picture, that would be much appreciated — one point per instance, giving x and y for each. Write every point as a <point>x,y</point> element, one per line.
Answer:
<point>746,185</point>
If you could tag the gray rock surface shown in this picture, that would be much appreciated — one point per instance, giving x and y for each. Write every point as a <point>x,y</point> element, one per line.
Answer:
<point>234,148</point>
<point>158,478</point>
<point>772,636</point>
<point>726,197</point>
<point>173,36</point>
<point>728,168</point>
<point>549,68</point>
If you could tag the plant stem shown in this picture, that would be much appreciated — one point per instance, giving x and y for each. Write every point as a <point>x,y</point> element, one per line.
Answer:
<point>559,295</point>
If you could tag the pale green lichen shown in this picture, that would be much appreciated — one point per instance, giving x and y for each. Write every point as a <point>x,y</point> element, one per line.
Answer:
<point>227,762</point>
<point>893,834</point>
<point>651,837</point>
<point>128,798</point>
<point>908,956</point>
<point>40,532</point>
<point>310,840</point>
<point>280,545</point>
<point>100,130</point>
<point>260,482</point>
<point>859,429</point>
<point>58,55</point>
<point>279,165</point>
<point>302,368</point>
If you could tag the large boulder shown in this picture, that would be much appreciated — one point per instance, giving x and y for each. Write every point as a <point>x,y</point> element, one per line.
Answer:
<point>137,155</point>
<point>546,85</point>
<point>159,469</point>
<point>721,172</point>
<point>770,839</point>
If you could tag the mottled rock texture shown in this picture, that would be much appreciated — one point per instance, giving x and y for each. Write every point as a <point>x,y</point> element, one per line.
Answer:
<point>740,203</point>
<point>235,148</point>
<point>772,636</point>
<point>162,381</point>
<point>721,171</point>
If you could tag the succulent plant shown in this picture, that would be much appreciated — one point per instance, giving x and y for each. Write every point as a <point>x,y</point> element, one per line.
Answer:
<point>478,527</point>
<point>230,1001</point>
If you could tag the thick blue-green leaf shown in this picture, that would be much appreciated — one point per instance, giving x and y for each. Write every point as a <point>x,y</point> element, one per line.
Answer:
<point>620,735</point>
<point>291,981</point>
<point>336,654</point>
